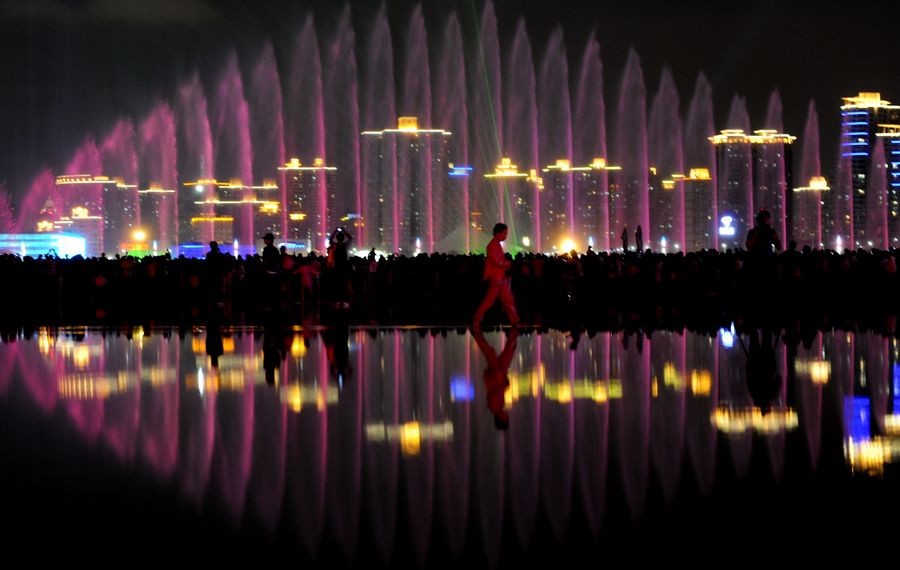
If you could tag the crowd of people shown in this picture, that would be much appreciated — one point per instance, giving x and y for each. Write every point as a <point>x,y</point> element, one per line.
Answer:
<point>442,288</point>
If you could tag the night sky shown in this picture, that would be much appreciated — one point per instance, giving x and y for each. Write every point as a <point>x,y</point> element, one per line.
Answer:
<point>72,68</point>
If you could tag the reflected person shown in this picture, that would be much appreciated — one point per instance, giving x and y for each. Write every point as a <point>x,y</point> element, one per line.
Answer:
<point>496,375</point>
<point>763,380</point>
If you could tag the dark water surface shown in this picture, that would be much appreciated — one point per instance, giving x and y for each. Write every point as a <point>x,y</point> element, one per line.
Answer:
<point>382,447</point>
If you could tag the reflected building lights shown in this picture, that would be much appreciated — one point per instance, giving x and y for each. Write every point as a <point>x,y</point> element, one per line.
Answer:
<point>740,420</point>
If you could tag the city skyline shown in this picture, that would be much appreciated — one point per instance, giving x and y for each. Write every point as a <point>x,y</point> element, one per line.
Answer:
<point>505,89</point>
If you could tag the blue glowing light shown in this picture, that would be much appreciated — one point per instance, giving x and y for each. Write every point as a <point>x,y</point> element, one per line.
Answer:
<point>856,123</point>
<point>848,113</point>
<point>61,244</point>
<point>857,134</point>
<point>857,413</point>
<point>855,144</point>
<point>855,154</point>
<point>461,389</point>
<point>726,336</point>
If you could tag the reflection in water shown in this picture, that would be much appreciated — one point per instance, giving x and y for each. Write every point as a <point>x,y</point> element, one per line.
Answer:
<point>390,437</point>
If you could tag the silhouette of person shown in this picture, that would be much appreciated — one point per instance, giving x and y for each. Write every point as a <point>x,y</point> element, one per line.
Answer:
<point>338,263</point>
<point>639,239</point>
<point>273,351</point>
<point>214,347</point>
<point>496,273</point>
<point>271,256</point>
<point>624,237</point>
<point>496,375</point>
<point>336,339</point>
<point>763,240</point>
<point>763,380</point>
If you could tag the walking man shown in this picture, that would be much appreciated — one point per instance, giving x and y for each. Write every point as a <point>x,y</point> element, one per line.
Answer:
<point>496,273</point>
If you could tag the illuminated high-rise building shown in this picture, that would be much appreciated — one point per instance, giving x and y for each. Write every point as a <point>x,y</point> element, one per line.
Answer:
<point>700,220</point>
<point>589,188</point>
<point>772,176</point>
<point>260,206</point>
<point>84,193</point>
<point>158,219</point>
<point>121,217</point>
<point>865,120</point>
<point>752,170</point>
<point>453,212</point>
<point>662,194</point>
<point>406,167</point>
<point>207,228</point>
<point>519,191</point>
<point>267,219</point>
<point>808,202</point>
<point>310,199</point>
<point>556,227</point>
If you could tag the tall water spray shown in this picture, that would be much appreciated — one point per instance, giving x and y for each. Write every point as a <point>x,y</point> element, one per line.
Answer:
<point>304,113</point>
<point>877,199</point>
<point>630,200</point>
<point>377,112</point>
<point>230,120</point>
<point>119,158</point>
<point>807,203</point>
<point>449,112</point>
<point>158,175</point>
<point>520,131</point>
<point>415,100</point>
<point>340,92</point>
<point>701,212</point>
<point>195,154</point>
<point>42,190</point>
<point>557,204</point>
<point>485,120</point>
<point>86,160</point>
<point>588,144</point>
<point>267,131</point>
<point>666,154</point>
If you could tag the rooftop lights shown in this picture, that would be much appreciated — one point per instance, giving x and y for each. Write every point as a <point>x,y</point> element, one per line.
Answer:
<point>408,125</point>
<point>763,136</point>
<point>295,165</point>
<point>867,100</point>
<point>506,169</point>
<point>816,184</point>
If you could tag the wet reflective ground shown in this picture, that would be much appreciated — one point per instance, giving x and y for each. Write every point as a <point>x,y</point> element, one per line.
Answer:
<point>413,447</point>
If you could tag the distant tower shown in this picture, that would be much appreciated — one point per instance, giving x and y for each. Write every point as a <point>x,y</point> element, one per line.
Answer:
<point>808,202</point>
<point>519,191</point>
<point>752,172</point>
<point>310,200</point>
<point>865,120</point>
<point>453,228</point>
<point>158,216</point>
<point>407,167</point>
<point>591,191</point>
<point>700,220</point>
<point>661,193</point>
<point>556,227</point>
<point>97,198</point>
<point>772,175</point>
